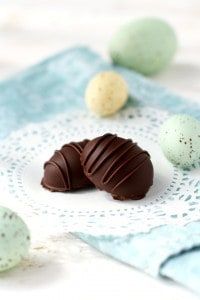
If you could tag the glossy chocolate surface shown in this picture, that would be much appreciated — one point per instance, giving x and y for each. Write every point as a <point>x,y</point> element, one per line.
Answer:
<point>63,172</point>
<point>118,166</point>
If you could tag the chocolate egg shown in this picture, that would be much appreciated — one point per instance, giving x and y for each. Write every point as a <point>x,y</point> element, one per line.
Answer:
<point>118,166</point>
<point>63,172</point>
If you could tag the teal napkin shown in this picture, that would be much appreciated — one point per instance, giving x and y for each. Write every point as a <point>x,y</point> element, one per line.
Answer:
<point>58,85</point>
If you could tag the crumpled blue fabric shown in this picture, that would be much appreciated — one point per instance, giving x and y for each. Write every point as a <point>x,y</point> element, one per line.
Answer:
<point>58,84</point>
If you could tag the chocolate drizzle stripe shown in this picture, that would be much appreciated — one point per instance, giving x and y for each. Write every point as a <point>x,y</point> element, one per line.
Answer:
<point>103,149</point>
<point>66,168</point>
<point>128,175</point>
<point>118,166</point>
<point>109,155</point>
<point>98,155</point>
<point>59,169</point>
<point>66,173</point>
<point>76,147</point>
<point>98,151</point>
<point>106,176</point>
<point>95,146</point>
<point>134,156</point>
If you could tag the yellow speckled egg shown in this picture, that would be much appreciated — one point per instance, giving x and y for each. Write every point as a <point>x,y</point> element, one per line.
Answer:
<point>106,93</point>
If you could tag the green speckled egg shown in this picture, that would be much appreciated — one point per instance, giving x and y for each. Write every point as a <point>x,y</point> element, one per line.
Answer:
<point>146,45</point>
<point>180,140</point>
<point>14,239</point>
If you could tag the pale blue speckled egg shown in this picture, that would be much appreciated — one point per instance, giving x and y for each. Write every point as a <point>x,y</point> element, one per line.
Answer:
<point>180,140</point>
<point>145,45</point>
<point>14,239</point>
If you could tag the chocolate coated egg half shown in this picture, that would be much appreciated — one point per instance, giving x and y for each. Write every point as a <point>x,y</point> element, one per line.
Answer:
<point>118,166</point>
<point>63,172</point>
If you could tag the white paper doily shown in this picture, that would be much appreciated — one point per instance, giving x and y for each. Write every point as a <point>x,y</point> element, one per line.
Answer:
<point>173,199</point>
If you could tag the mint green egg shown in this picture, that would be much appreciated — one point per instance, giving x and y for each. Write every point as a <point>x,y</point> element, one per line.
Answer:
<point>145,45</point>
<point>14,239</point>
<point>180,140</point>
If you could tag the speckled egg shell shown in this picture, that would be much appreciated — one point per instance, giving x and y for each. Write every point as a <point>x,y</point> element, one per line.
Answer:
<point>106,93</point>
<point>146,45</point>
<point>180,140</point>
<point>14,239</point>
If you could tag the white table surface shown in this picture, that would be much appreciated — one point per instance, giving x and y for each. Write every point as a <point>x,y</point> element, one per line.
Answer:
<point>63,267</point>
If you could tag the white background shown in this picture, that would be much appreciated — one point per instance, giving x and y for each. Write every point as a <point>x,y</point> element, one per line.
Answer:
<point>63,267</point>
